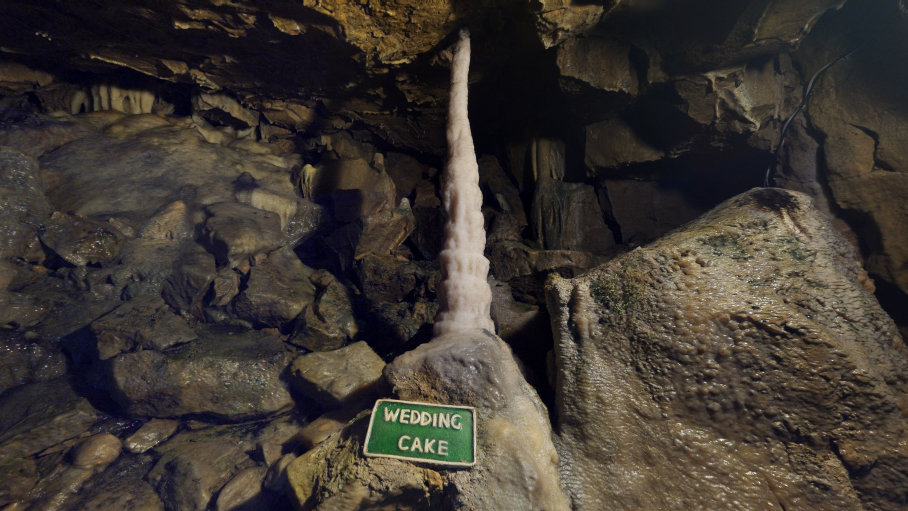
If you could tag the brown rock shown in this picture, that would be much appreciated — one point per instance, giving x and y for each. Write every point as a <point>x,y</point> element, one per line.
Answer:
<point>749,368</point>
<point>602,64</point>
<point>339,377</point>
<point>612,143</point>
<point>244,491</point>
<point>237,231</point>
<point>277,290</point>
<point>144,322</point>
<point>81,241</point>
<point>96,452</point>
<point>230,375</point>
<point>150,434</point>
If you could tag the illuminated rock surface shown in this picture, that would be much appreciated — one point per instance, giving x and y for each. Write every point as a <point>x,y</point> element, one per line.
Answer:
<point>737,363</point>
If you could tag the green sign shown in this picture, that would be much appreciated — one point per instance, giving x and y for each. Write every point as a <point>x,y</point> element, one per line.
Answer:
<point>420,431</point>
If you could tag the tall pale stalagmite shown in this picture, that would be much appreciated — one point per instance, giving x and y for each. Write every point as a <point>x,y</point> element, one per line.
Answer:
<point>464,295</point>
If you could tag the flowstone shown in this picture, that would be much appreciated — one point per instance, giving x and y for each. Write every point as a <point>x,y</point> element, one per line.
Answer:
<point>737,363</point>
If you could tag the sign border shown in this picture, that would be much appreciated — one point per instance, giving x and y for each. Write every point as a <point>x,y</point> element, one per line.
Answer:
<point>422,460</point>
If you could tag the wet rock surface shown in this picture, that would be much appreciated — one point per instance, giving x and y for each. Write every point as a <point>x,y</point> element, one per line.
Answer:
<point>230,375</point>
<point>194,195</point>
<point>728,344</point>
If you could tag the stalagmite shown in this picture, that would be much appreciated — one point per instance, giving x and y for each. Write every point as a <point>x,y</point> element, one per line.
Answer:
<point>464,295</point>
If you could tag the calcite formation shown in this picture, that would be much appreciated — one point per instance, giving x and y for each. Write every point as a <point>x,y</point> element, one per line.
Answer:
<point>464,294</point>
<point>737,363</point>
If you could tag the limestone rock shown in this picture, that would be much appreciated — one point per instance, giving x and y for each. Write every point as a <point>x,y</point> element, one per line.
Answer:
<point>277,438</point>
<point>25,360</point>
<point>277,290</point>
<point>732,347</point>
<point>334,475</point>
<point>519,465</point>
<point>866,171</point>
<point>35,417</point>
<point>96,452</point>
<point>194,465</point>
<point>612,143</point>
<point>119,487</point>
<point>324,426</point>
<point>23,206</point>
<point>232,376</point>
<point>81,241</point>
<point>244,491</point>
<point>150,434</point>
<point>222,110</point>
<point>645,210</point>
<point>237,231</point>
<point>170,223</point>
<point>144,322</point>
<point>186,286</point>
<point>602,64</point>
<point>567,216</point>
<point>559,20</point>
<point>339,377</point>
<point>328,323</point>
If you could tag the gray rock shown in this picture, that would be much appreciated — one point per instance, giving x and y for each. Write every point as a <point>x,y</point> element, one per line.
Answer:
<point>339,377</point>
<point>277,290</point>
<point>23,206</point>
<point>567,216</point>
<point>150,434</point>
<point>743,348</point>
<point>185,288</point>
<point>232,376</point>
<point>329,323</point>
<point>81,241</point>
<point>519,465</point>
<point>194,465</point>
<point>143,323</point>
<point>236,231</point>
<point>646,210</point>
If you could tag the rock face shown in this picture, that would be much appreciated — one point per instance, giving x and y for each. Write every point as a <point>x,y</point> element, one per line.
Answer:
<point>737,358</point>
<point>232,376</point>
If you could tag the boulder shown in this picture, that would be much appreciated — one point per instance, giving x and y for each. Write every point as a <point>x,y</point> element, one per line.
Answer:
<point>328,323</point>
<point>737,363</point>
<point>593,62</point>
<point>277,290</point>
<point>80,241</point>
<point>121,486</point>
<point>567,216</point>
<point>229,375</point>
<point>244,491</point>
<point>143,323</point>
<point>334,475</point>
<point>236,231</point>
<point>519,465</point>
<point>612,143</point>
<point>185,287</point>
<point>194,465</point>
<point>150,434</point>
<point>339,377</point>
